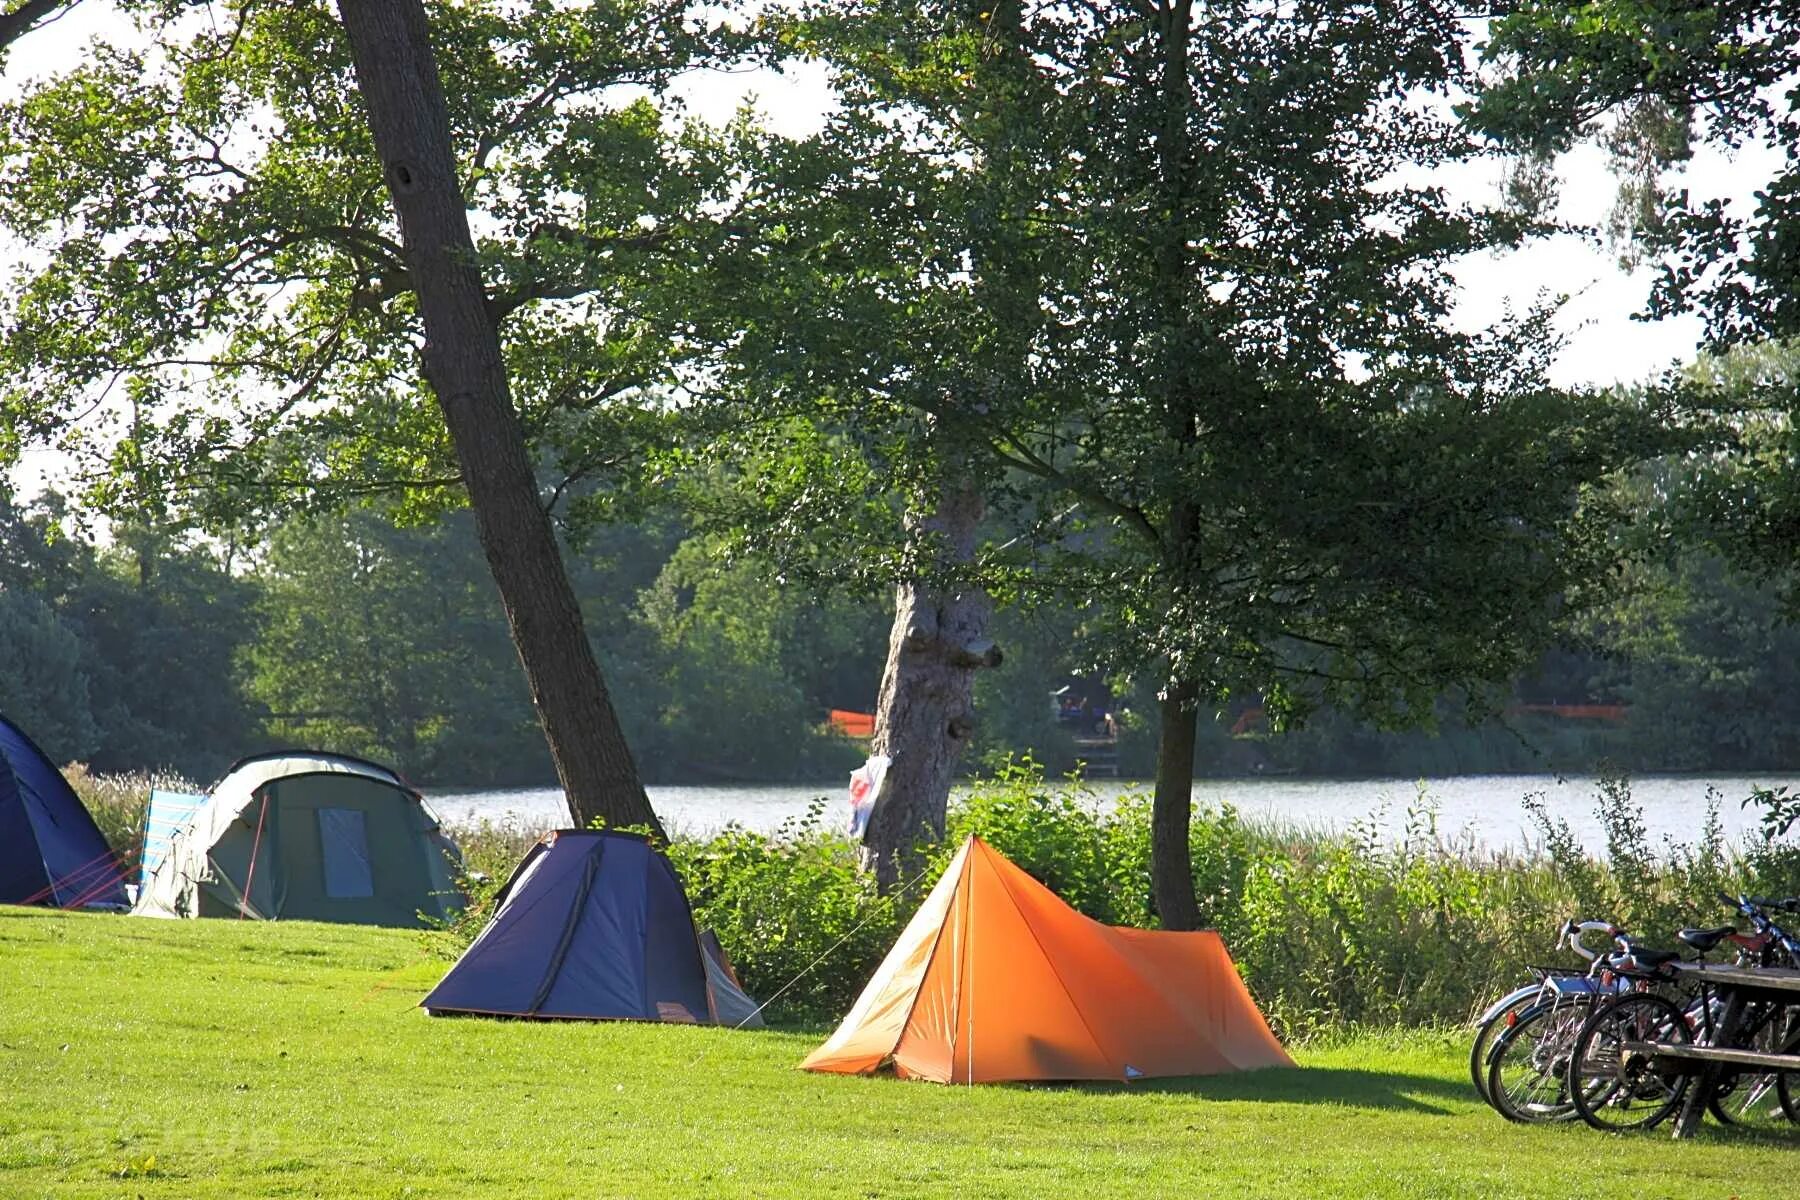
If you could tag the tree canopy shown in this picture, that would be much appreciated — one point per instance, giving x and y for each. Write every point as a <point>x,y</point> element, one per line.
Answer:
<point>217,318</point>
<point>1177,276</point>
<point>1139,314</point>
<point>1651,79</point>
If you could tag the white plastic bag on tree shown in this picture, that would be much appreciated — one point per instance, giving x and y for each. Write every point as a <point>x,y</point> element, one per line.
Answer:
<point>865,785</point>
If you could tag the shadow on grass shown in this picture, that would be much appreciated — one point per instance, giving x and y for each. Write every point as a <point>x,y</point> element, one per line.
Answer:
<point>1785,1136</point>
<point>1347,1087</point>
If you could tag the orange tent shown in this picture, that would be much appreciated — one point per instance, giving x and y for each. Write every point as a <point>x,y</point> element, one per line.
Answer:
<point>996,978</point>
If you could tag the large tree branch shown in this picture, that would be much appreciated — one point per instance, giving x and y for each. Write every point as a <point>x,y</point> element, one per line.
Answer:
<point>358,487</point>
<point>22,18</point>
<point>491,139</point>
<point>506,301</point>
<point>1021,458</point>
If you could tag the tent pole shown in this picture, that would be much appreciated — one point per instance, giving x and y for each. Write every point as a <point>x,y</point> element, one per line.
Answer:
<point>969,976</point>
<point>255,846</point>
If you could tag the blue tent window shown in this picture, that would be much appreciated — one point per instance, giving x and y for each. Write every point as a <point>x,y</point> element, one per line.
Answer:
<point>344,847</point>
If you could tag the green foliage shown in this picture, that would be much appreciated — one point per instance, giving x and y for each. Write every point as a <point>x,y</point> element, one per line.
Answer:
<point>1013,705</point>
<point>1649,78</point>
<point>212,245</point>
<point>163,626</point>
<point>1707,661</point>
<point>1357,931</point>
<point>42,682</point>
<point>1647,889</point>
<point>1064,836</point>
<point>1353,930</point>
<point>122,656</point>
<point>1135,274</point>
<point>388,643</point>
<point>729,656</point>
<point>1780,809</point>
<point>1745,499</point>
<point>802,924</point>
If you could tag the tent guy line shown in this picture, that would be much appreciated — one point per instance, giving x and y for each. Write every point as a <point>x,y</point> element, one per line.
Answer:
<point>905,888</point>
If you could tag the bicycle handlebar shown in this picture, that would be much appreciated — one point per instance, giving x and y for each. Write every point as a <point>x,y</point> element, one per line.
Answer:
<point>1752,908</point>
<point>1572,930</point>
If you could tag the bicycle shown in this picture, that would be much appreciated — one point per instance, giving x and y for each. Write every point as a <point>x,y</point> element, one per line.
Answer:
<point>1755,1098</point>
<point>1615,1080</point>
<point>1527,1064</point>
<point>1503,1013</point>
<point>1610,1082</point>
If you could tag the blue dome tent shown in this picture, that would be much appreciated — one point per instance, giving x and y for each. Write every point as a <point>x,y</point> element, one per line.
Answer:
<point>594,925</point>
<point>51,852</point>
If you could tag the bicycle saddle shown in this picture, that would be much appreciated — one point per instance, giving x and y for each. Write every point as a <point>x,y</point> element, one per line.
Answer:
<point>1706,939</point>
<point>1650,959</point>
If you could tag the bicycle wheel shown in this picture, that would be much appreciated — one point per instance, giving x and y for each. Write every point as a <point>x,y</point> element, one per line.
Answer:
<point>1489,1032</point>
<point>1761,1098</point>
<point>1613,1082</point>
<point>1528,1066</point>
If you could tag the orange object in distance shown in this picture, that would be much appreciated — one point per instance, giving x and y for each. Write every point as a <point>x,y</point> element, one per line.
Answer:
<point>995,978</point>
<point>853,724</point>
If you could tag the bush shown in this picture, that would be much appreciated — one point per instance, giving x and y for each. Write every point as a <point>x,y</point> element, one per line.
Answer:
<point>801,922</point>
<point>1352,930</point>
<point>119,804</point>
<point>1061,834</point>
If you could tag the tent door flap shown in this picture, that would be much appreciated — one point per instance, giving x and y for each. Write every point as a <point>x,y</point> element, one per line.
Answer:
<point>344,849</point>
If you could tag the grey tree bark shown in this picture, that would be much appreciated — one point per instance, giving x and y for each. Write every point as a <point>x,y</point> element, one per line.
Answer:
<point>398,79</point>
<point>926,710</point>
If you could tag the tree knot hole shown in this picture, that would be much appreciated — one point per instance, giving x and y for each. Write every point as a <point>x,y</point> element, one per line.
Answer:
<point>401,176</point>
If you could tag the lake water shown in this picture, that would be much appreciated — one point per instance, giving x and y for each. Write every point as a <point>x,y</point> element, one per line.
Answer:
<point>1484,809</point>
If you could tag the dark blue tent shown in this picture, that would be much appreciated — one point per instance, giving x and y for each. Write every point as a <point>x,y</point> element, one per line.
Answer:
<point>51,852</point>
<point>592,926</point>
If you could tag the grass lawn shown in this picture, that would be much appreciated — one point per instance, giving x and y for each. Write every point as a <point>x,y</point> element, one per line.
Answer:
<point>234,1059</point>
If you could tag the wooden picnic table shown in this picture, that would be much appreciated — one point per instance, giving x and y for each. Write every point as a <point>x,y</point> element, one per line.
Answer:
<point>1736,986</point>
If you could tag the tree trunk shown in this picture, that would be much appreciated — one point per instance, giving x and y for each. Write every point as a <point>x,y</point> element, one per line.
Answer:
<point>398,79</point>
<point>926,711</point>
<point>1171,865</point>
<point>1171,810</point>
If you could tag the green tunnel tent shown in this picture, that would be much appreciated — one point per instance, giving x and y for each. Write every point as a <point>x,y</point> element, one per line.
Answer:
<point>301,835</point>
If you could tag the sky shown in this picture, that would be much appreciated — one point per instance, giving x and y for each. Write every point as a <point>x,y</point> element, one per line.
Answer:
<point>1604,345</point>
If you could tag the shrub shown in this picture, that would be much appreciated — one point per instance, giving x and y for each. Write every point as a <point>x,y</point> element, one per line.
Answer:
<point>1057,832</point>
<point>118,804</point>
<point>801,922</point>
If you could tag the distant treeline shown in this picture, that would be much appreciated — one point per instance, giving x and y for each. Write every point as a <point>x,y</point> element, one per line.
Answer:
<point>347,633</point>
